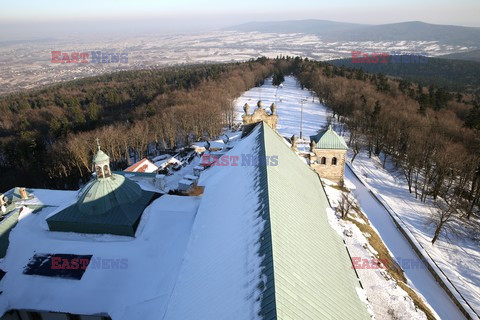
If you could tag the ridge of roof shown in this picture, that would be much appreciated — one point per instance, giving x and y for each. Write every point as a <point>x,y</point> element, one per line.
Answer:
<point>313,278</point>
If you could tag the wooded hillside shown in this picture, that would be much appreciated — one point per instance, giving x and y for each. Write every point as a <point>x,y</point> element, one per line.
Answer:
<point>48,136</point>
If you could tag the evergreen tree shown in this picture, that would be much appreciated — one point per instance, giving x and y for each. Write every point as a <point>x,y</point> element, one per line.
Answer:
<point>278,77</point>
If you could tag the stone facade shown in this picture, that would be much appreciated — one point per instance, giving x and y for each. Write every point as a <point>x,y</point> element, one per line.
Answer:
<point>329,164</point>
<point>260,114</point>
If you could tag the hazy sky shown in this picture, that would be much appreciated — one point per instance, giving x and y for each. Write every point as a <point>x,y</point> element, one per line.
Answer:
<point>49,18</point>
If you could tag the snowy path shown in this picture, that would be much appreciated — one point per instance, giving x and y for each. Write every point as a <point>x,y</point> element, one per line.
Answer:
<point>289,105</point>
<point>289,101</point>
<point>420,278</point>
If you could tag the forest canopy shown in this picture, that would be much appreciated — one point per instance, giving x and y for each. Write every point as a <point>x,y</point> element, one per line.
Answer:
<point>47,135</point>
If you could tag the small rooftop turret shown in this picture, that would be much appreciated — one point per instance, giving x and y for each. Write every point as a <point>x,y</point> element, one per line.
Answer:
<point>273,108</point>
<point>246,108</point>
<point>101,162</point>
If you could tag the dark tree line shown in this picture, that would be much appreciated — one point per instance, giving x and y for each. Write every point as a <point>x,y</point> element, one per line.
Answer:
<point>436,147</point>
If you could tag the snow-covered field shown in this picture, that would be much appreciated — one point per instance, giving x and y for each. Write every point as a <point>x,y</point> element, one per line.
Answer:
<point>28,65</point>
<point>289,106</point>
<point>289,100</point>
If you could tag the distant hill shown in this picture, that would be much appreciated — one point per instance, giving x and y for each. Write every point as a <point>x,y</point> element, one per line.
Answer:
<point>473,55</point>
<point>340,31</point>
<point>319,27</point>
<point>454,74</point>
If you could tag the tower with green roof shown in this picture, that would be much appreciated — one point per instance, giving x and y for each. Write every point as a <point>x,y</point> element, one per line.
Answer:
<point>327,155</point>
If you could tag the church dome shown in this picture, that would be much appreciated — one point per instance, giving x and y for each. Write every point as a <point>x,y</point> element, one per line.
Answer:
<point>109,204</point>
<point>102,195</point>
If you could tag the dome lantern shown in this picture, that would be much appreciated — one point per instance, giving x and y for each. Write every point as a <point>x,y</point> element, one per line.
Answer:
<point>101,161</point>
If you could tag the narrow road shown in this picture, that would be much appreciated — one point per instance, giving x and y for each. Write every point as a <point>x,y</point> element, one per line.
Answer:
<point>420,278</point>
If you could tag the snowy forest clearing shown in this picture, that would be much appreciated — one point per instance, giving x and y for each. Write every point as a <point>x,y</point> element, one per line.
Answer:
<point>290,99</point>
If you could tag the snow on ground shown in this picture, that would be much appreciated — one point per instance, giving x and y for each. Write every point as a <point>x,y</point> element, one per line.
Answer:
<point>388,300</point>
<point>289,105</point>
<point>458,258</point>
<point>419,278</point>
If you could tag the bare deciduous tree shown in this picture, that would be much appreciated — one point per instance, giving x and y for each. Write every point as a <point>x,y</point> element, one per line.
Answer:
<point>345,205</point>
<point>443,218</point>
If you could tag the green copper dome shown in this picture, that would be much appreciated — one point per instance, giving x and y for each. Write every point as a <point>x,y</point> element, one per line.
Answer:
<point>109,203</point>
<point>102,195</point>
<point>112,205</point>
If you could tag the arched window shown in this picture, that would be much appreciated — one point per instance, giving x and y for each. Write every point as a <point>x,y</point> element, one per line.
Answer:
<point>106,170</point>
<point>98,169</point>
<point>334,161</point>
<point>323,160</point>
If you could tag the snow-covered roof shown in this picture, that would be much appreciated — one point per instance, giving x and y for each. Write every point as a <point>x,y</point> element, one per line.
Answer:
<point>222,273</point>
<point>161,157</point>
<point>165,162</point>
<point>191,177</point>
<point>214,144</point>
<point>143,165</point>
<point>138,288</point>
<point>229,254</point>
<point>253,253</point>
<point>185,182</point>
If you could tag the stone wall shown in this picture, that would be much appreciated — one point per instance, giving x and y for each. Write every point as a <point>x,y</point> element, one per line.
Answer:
<point>328,170</point>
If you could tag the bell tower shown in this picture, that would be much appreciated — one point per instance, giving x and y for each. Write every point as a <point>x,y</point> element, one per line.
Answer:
<point>328,153</point>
